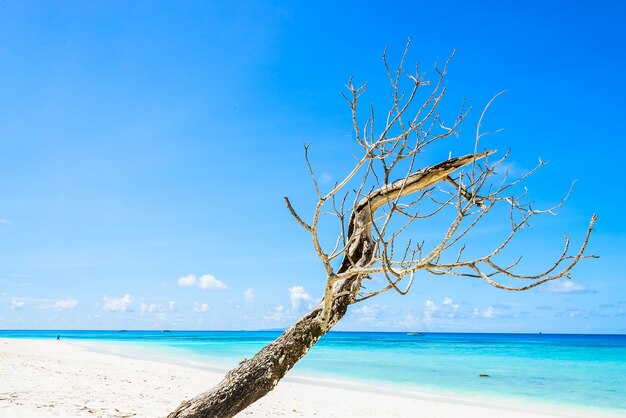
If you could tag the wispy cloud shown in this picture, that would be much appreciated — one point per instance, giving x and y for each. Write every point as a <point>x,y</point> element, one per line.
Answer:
<point>147,308</point>
<point>367,311</point>
<point>566,286</point>
<point>411,321</point>
<point>432,310</point>
<point>5,221</point>
<point>249,295</point>
<point>576,313</point>
<point>200,307</point>
<point>15,280</point>
<point>490,312</point>
<point>511,169</point>
<point>325,178</point>
<point>278,314</point>
<point>451,307</point>
<point>120,304</point>
<point>17,304</point>
<point>65,304</point>
<point>189,280</point>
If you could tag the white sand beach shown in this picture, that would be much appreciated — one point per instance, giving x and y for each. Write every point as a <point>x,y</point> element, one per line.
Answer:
<point>42,378</point>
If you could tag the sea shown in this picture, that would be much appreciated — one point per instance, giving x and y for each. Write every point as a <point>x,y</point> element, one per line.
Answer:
<point>587,371</point>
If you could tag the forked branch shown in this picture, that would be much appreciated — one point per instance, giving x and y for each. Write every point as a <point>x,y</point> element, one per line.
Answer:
<point>373,238</point>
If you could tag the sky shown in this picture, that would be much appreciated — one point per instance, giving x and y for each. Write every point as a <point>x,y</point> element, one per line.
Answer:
<point>146,148</point>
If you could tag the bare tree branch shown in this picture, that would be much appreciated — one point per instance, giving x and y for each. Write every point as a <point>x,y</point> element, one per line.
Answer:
<point>378,233</point>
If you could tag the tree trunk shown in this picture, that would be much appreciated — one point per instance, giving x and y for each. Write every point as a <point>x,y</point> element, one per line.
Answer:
<point>256,377</point>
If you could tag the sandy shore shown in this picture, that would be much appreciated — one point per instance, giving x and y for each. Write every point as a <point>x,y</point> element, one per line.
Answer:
<point>41,378</point>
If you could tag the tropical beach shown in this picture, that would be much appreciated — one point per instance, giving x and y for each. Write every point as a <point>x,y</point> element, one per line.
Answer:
<point>92,374</point>
<point>46,378</point>
<point>316,209</point>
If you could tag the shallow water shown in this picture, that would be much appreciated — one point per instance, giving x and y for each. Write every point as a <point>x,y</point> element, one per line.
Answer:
<point>577,370</point>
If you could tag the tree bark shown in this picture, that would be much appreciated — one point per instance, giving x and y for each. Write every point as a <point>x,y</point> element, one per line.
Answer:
<point>256,377</point>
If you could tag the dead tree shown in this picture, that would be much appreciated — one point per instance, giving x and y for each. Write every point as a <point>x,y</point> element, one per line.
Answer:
<point>376,212</point>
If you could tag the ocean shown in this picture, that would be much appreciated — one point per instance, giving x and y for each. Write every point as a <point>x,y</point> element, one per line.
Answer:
<point>554,369</point>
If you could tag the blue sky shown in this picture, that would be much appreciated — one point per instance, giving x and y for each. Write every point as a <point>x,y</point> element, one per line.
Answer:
<point>146,148</point>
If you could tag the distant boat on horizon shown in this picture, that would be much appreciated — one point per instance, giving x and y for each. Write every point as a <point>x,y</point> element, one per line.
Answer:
<point>414,334</point>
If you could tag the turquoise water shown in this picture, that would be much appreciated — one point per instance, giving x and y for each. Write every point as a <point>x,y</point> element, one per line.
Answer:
<point>577,370</point>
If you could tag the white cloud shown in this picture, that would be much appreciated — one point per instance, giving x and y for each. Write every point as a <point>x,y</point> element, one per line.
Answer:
<point>367,310</point>
<point>143,308</point>
<point>249,295</point>
<point>63,304</point>
<point>325,178</point>
<point>189,280</point>
<point>208,281</point>
<point>377,316</point>
<point>451,307</point>
<point>511,169</point>
<point>278,314</point>
<point>565,286</point>
<point>430,308</point>
<point>117,304</point>
<point>298,297</point>
<point>17,304</point>
<point>5,221</point>
<point>200,307</point>
<point>411,321</point>
<point>448,309</point>
<point>490,312</point>
<point>172,305</point>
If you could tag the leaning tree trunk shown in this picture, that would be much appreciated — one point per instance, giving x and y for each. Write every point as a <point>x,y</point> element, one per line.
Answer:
<point>254,378</point>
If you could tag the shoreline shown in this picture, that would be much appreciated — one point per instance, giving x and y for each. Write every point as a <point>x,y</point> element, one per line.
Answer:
<point>522,404</point>
<point>44,378</point>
